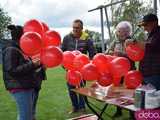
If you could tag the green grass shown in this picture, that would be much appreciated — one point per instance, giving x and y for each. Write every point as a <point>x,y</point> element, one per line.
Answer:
<point>54,102</point>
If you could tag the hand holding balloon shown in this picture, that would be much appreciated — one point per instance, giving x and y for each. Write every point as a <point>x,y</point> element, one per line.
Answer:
<point>36,62</point>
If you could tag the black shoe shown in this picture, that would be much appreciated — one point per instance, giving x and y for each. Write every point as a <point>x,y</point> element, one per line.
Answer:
<point>73,111</point>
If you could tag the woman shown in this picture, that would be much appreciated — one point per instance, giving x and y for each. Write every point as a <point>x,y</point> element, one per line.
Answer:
<point>22,76</point>
<point>117,48</point>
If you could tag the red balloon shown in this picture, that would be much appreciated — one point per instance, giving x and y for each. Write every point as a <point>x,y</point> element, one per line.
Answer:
<point>45,27</point>
<point>105,79</point>
<point>89,72</point>
<point>80,60</point>
<point>51,56</point>
<point>135,52</point>
<point>119,66</point>
<point>101,62</point>
<point>110,58</point>
<point>51,38</point>
<point>33,26</point>
<point>116,81</point>
<point>76,52</point>
<point>31,43</point>
<point>37,56</point>
<point>133,79</point>
<point>68,58</point>
<point>74,77</point>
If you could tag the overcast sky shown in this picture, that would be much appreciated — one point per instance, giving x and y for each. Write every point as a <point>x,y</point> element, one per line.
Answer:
<point>58,14</point>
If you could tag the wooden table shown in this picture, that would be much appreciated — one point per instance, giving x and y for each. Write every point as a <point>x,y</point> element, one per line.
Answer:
<point>118,96</point>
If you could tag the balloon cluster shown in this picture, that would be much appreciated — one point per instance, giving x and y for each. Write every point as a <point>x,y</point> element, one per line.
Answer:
<point>40,42</point>
<point>105,69</point>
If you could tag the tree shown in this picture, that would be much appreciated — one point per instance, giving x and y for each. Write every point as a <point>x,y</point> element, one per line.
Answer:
<point>5,20</point>
<point>132,11</point>
<point>96,36</point>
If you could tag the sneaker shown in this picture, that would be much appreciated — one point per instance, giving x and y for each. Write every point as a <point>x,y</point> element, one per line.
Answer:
<point>73,111</point>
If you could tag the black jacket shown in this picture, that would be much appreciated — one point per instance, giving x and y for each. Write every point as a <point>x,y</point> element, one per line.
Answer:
<point>19,72</point>
<point>70,43</point>
<point>150,64</point>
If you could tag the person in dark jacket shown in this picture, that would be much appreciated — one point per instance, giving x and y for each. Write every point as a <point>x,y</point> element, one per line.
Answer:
<point>22,76</point>
<point>77,40</point>
<point>150,64</point>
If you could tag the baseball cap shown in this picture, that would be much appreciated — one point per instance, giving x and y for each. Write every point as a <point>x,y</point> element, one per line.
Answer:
<point>148,18</point>
<point>16,31</point>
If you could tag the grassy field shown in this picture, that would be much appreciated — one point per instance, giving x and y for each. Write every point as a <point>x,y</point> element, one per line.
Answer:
<point>53,104</point>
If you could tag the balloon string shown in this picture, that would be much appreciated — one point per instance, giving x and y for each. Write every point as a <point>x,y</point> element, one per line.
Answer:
<point>76,46</point>
<point>83,84</point>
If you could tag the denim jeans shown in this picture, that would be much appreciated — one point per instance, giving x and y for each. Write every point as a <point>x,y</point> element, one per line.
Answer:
<point>154,80</point>
<point>24,101</point>
<point>76,99</point>
<point>35,99</point>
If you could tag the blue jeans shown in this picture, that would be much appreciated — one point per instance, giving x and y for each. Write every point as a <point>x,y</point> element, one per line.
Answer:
<point>26,103</point>
<point>35,99</point>
<point>76,99</point>
<point>154,80</point>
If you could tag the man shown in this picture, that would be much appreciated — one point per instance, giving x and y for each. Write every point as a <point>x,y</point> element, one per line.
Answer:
<point>150,65</point>
<point>77,40</point>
